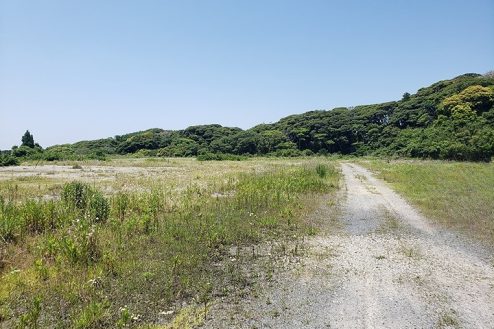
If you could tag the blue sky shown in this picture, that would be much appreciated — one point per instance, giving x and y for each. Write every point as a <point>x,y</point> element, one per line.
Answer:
<point>74,70</point>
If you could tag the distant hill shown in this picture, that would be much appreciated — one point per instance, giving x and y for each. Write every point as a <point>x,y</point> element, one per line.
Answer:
<point>451,119</point>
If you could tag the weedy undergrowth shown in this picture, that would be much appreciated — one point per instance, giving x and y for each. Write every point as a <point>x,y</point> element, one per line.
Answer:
<point>104,261</point>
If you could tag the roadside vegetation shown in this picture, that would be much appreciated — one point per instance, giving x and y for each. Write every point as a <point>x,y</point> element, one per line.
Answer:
<point>121,252</point>
<point>455,194</point>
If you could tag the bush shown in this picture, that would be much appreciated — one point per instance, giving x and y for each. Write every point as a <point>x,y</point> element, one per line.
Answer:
<point>143,153</point>
<point>308,153</point>
<point>26,152</point>
<point>98,207</point>
<point>81,246</point>
<point>10,222</point>
<point>33,216</point>
<point>321,170</point>
<point>8,160</point>
<point>89,201</point>
<point>287,153</point>
<point>220,157</point>
<point>52,156</point>
<point>30,217</point>
<point>75,194</point>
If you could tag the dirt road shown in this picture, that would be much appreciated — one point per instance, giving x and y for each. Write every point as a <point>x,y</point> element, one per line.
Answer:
<point>386,267</point>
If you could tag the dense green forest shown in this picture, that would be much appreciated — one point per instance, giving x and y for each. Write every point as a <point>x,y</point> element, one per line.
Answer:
<point>451,119</point>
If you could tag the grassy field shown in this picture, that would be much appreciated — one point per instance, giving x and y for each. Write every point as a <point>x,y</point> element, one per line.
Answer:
<point>119,243</point>
<point>457,195</point>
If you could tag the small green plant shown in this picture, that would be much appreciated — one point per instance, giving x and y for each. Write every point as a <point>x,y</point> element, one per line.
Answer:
<point>269,222</point>
<point>91,315</point>
<point>3,256</point>
<point>448,320</point>
<point>90,202</point>
<point>110,265</point>
<point>4,314</point>
<point>10,222</point>
<point>30,318</point>
<point>311,230</point>
<point>75,194</point>
<point>121,202</point>
<point>81,245</point>
<point>411,252</point>
<point>321,170</point>
<point>33,216</point>
<point>205,295</point>
<point>41,269</point>
<point>125,317</point>
<point>99,207</point>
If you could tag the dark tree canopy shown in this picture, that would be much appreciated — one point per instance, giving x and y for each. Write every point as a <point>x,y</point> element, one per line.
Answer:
<point>28,139</point>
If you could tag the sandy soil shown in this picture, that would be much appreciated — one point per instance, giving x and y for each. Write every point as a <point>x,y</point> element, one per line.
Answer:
<point>385,267</point>
<point>132,174</point>
<point>68,173</point>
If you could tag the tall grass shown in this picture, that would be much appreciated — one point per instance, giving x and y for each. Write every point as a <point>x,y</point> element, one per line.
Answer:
<point>93,261</point>
<point>456,195</point>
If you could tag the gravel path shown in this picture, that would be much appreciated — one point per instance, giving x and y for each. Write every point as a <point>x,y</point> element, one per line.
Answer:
<point>387,267</point>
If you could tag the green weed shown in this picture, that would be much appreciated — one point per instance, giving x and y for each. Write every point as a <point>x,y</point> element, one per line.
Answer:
<point>321,170</point>
<point>91,316</point>
<point>30,319</point>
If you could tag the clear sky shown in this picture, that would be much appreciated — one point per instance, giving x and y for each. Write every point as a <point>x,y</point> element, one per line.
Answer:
<point>74,70</point>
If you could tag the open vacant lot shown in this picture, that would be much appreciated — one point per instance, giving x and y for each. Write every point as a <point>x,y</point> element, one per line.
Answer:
<point>266,243</point>
<point>40,179</point>
<point>136,242</point>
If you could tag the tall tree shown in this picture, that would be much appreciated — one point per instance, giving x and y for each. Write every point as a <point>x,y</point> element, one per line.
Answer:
<point>28,139</point>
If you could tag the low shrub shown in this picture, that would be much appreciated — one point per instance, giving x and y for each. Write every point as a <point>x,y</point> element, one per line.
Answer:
<point>220,157</point>
<point>321,170</point>
<point>8,160</point>
<point>90,202</point>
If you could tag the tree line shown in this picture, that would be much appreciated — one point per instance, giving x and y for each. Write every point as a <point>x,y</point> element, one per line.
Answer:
<point>451,119</point>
